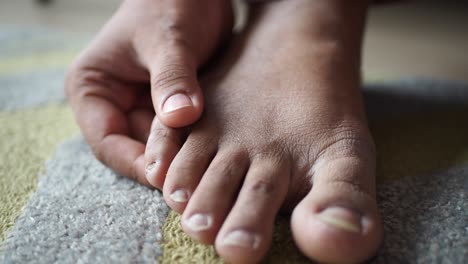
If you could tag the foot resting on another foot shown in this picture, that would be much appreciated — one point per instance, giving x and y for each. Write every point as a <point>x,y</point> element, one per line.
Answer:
<point>283,129</point>
<point>147,43</point>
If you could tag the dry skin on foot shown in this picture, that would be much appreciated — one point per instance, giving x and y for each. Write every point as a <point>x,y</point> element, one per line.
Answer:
<point>286,137</point>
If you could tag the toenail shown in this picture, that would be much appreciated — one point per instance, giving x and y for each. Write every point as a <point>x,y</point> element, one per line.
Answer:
<point>242,238</point>
<point>176,102</point>
<point>341,218</point>
<point>199,222</point>
<point>151,168</point>
<point>180,196</point>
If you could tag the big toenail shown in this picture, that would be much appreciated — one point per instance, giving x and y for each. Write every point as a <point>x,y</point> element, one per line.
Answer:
<point>242,238</point>
<point>176,102</point>
<point>341,218</point>
<point>180,196</point>
<point>199,222</point>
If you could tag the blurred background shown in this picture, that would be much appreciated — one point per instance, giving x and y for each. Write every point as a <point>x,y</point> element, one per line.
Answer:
<point>425,38</point>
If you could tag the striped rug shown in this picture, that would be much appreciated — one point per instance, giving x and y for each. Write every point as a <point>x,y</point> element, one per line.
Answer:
<point>59,205</point>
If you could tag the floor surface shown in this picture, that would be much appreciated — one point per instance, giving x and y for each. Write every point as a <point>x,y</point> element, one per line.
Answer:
<point>413,38</point>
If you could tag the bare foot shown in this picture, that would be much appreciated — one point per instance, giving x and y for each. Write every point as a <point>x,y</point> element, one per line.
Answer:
<point>284,128</point>
<point>157,43</point>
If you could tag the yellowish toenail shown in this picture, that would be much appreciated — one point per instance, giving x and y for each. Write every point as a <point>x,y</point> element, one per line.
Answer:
<point>176,102</point>
<point>180,196</point>
<point>242,238</point>
<point>341,218</point>
<point>199,222</point>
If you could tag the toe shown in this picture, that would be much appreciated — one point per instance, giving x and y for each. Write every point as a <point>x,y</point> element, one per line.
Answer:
<point>215,195</point>
<point>338,221</point>
<point>162,146</point>
<point>175,91</point>
<point>139,123</point>
<point>247,231</point>
<point>187,168</point>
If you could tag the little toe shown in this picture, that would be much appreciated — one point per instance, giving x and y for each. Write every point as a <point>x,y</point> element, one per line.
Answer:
<point>187,169</point>
<point>162,146</point>
<point>247,231</point>
<point>215,195</point>
<point>338,221</point>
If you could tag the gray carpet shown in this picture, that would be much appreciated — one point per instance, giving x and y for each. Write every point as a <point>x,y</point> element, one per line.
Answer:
<point>33,65</point>
<point>82,212</point>
<point>32,89</point>
<point>425,219</point>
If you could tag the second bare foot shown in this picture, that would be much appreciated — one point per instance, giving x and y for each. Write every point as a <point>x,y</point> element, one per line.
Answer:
<point>284,129</point>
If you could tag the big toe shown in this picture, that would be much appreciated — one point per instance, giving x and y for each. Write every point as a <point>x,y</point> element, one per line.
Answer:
<point>176,94</point>
<point>338,221</point>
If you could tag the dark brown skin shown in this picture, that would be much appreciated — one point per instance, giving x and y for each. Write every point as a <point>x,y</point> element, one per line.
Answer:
<point>283,129</point>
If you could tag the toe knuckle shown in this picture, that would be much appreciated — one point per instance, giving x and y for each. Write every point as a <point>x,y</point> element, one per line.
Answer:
<point>173,27</point>
<point>178,171</point>
<point>352,185</point>
<point>79,70</point>
<point>81,80</point>
<point>263,186</point>
<point>161,135</point>
<point>273,150</point>
<point>173,74</point>
<point>173,55</point>
<point>348,142</point>
<point>235,165</point>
